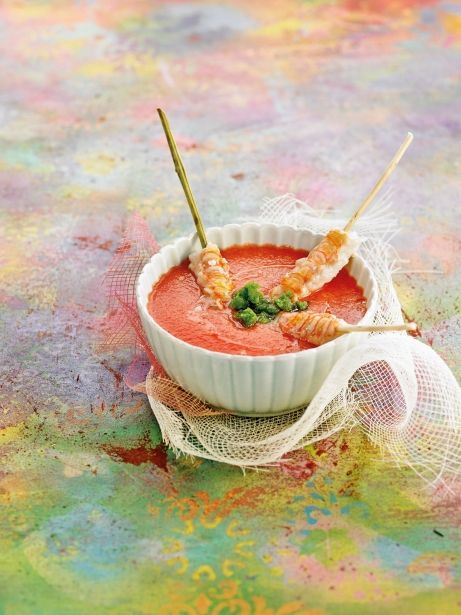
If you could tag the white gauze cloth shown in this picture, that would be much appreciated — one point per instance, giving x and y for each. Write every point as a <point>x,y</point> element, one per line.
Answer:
<point>394,387</point>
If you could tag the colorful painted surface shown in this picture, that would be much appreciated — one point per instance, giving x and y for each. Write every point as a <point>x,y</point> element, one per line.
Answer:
<point>265,97</point>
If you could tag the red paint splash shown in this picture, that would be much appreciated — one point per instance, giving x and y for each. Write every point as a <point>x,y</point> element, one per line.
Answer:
<point>328,444</point>
<point>298,465</point>
<point>117,375</point>
<point>141,454</point>
<point>121,326</point>
<point>94,242</point>
<point>324,446</point>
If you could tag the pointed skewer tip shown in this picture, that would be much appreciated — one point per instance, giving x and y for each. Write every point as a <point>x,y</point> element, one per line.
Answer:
<point>381,181</point>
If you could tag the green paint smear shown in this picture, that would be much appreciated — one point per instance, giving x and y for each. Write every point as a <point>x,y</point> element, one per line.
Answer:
<point>28,155</point>
<point>329,547</point>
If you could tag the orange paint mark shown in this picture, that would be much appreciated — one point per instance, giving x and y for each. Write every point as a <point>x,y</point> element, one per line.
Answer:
<point>386,7</point>
<point>141,454</point>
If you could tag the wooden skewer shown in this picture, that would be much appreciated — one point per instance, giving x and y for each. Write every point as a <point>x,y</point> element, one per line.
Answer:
<point>180,170</point>
<point>409,326</point>
<point>381,181</point>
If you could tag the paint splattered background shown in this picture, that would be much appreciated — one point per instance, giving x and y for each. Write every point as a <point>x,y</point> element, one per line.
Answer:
<point>265,97</point>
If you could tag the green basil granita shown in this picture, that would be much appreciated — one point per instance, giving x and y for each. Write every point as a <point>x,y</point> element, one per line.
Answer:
<point>250,306</point>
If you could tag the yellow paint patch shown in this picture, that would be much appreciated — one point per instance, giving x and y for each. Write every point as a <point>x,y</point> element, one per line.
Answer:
<point>9,434</point>
<point>72,472</point>
<point>99,68</point>
<point>155,205</point>
<point>285,26</point>
<point>143,65</point>
<point>74,192</point>
<point>73,44</point>
<point>13,488</point>
<point>98,164</point>
<point>452,24</point>
<point>204,571</point>
<point>25,10</point>
<point>243,548</point>
<point>337,547</point>
<point>234,529</point>
<point>42,297</point>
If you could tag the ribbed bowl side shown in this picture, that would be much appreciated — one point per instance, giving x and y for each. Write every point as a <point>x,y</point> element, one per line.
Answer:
<point>254,386</point>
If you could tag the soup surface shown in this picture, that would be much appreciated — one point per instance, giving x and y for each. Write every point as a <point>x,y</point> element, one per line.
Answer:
<point>175,303</point>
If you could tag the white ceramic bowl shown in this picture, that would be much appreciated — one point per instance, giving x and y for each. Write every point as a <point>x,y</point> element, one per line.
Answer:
<point>248,385</point>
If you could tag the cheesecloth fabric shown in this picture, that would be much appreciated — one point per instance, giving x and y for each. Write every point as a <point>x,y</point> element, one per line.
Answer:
<point>392,386</point>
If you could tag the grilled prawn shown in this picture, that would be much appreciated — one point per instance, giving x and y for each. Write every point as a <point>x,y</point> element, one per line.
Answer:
<point>211,270</point>
<point>334,251</point>
<point>319,328</point>
<point>320,266</point>
<point>313,327</point>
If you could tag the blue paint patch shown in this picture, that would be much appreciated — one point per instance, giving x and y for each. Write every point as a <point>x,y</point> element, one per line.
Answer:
<point>397,558</point>
<point>309,510</point>
<point>90,540</point>
<point>355,506</point>
<point>450,7</point>
<point>428,16</point>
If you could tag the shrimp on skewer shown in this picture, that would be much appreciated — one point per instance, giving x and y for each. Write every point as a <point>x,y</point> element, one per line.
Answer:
<point>212,273</point>
<point>327,259</point>
<point>209,266</point>
<point>313,327</point>
<point>321,265</point>
<point>319,328</point>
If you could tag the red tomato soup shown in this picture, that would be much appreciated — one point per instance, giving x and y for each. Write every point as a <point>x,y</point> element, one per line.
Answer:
<point>175,303</point>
